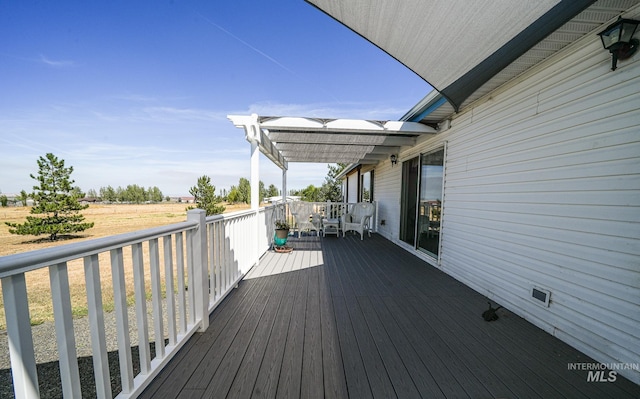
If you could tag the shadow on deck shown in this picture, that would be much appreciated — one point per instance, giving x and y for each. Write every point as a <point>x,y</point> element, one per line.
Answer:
<point>340,317</point>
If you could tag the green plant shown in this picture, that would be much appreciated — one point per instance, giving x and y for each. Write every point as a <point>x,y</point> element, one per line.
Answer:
<point>56,199</point>
<point>282,225</point>
<point>205,197</point>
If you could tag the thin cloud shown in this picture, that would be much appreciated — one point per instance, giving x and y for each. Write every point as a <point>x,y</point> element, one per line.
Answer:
<point>57,63</point>
<point>354,110</point>
<point>145,99</point>
<point>190,114</point>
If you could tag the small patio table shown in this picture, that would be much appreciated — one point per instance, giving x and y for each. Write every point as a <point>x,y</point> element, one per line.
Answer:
<point>330,226</point>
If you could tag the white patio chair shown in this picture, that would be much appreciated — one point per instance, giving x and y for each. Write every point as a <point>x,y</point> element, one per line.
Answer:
<point>304,217</point>
<point>358,219</point>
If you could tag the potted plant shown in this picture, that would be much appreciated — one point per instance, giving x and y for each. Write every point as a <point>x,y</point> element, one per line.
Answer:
<point>280,237</point>
<point>282,229</point>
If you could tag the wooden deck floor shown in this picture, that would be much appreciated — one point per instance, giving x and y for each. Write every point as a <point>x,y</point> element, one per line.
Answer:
<point>342,318</point>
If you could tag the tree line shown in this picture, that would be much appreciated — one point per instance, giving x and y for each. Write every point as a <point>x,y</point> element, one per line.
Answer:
<point>206,198</point>
<point>331,189</point>
<point>133,193</point>
<point>57,199</point>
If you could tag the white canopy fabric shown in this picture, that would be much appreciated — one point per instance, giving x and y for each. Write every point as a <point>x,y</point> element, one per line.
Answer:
<point>455,45</point>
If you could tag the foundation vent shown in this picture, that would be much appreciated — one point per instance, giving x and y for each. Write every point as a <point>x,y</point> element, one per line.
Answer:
<point>541,296</point>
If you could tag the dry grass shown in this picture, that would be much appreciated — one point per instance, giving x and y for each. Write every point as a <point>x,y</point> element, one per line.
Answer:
<point>109,220</point>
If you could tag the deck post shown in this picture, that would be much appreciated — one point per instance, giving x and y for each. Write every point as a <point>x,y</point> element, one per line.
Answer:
<point>255,176</point>
<point>200,268</point>
<point>284,186</point>
<point>255,200</point>
<point>284,194</point>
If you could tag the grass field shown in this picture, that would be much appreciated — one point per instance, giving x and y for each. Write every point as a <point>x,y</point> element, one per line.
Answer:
<point>109,220</point>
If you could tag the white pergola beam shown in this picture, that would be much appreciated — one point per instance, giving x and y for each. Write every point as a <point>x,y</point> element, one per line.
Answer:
<point>253,133</point>
<point>318,140</point>
<point>345,139</point>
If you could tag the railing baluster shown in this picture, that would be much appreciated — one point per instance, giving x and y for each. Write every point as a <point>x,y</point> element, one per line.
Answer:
<point>214,260</point>
<point>23,360</point>
<point>122,320</point>
<point>169,289</point>
<point>191,299</point>
<point>141,308</point>
<point>237,230</point>
<point>63,320</point>
<point>182,307</point>
<point>236,251</point>
<point>223,255</point>
<point>219,245</point>
<point>96,325</point>
<point>212,264</point>
<point>156,297</point>
<point>227,253</point>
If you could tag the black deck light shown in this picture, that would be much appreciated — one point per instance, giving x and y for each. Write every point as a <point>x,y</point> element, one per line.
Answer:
<point>618,39</point>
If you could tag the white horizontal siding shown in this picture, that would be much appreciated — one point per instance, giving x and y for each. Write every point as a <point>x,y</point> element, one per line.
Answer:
<point>386,186</point>
<point>352,192</point>
<point>543,188</point>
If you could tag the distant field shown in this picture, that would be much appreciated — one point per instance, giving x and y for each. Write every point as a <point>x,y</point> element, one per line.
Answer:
<point>109,220</point>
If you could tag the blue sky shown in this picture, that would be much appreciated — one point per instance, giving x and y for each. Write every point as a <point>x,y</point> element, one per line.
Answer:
<point>137,92</point>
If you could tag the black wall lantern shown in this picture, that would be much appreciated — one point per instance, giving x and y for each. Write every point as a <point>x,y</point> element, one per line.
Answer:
<point>394,159</point>
<point>618,39</point>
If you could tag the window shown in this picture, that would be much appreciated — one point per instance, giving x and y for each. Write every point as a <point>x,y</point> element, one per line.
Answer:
<point>366,184</point>
<point>430,206</point>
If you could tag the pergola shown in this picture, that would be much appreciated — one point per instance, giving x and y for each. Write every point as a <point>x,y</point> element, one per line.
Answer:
<point>316,140</point>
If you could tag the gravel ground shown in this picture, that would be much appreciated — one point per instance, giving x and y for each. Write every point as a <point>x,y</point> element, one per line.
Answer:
<point>46,353</point>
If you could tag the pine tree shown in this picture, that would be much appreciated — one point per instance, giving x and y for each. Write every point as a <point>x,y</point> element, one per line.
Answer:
<point>205,197</point>
<point>272,191</point>
<point>23,197</point>
<point>331,189</point>
<point>55,199</point>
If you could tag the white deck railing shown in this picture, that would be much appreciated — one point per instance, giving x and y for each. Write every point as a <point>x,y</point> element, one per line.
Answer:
<point>332,210</point>
<point>216,254</point>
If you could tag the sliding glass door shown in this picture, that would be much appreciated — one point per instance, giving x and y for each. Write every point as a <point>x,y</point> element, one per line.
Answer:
<point>409,197</point>
<point>430,205</point>
<point>421,201</point>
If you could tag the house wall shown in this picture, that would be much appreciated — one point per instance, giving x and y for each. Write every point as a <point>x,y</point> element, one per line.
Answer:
<point>352,187</point>
<point>387,184</point>
<point>542,188</point>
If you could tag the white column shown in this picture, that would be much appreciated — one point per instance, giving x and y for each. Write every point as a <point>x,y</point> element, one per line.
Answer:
<point>255,200</point>
<point>255,176</point>
<point>284,185</point>
<point>284,194</point>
